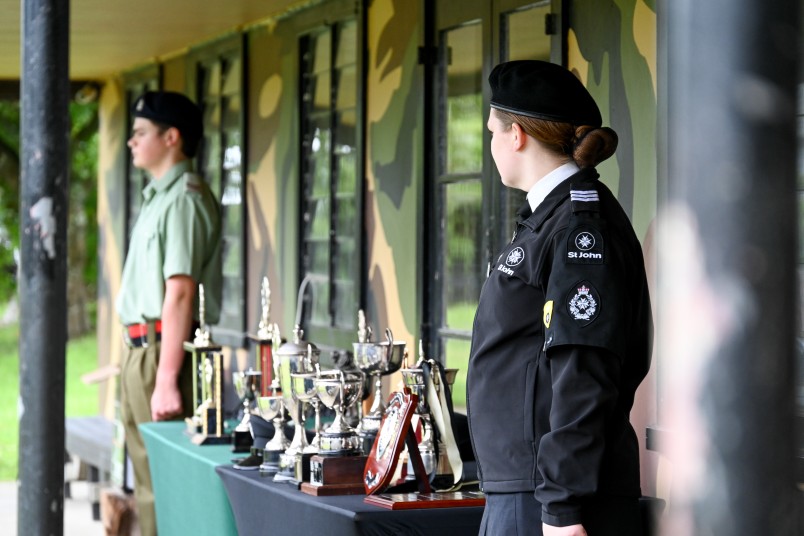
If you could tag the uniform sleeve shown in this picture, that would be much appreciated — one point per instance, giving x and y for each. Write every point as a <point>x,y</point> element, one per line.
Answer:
<point>586,291</point>
<point>184,238</point>
<point>584,382</point>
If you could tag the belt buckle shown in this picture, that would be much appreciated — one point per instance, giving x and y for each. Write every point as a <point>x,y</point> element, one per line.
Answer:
<point>135,342</point>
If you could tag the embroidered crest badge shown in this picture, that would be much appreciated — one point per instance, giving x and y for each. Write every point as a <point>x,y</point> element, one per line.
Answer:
<point>584,303</point>
<point>515,256</point>
<point>585,246</point>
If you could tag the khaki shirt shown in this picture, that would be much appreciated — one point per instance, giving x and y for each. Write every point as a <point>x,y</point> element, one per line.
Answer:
<point>178,232</point>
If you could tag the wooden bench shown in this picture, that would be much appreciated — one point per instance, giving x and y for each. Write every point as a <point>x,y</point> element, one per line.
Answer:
<point>90,439</point>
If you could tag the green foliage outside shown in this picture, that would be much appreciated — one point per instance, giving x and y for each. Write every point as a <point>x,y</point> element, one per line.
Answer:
<point>81,399</point>
<point>82,228</point>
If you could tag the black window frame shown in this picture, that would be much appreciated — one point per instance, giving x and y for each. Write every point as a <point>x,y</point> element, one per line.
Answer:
<point>226,48</point>
<point>333,336</point>
<point>496,210</point>
<point>135,84</point>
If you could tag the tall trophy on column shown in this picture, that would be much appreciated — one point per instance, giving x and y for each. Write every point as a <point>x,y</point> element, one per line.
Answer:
<point>266,344</point>
<point>206,426</point>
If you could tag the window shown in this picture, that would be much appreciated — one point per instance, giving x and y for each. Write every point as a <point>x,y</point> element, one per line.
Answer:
<point>472,212</point>
<point>331,181</point>
<point>136,84</point>
<point>219,87</point>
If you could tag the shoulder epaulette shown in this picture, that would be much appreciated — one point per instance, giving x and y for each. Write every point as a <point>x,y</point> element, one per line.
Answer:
<point>192,183</point>
<point>584,197</point>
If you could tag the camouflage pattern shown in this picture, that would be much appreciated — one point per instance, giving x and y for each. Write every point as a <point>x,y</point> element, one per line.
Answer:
<point>611,47</point>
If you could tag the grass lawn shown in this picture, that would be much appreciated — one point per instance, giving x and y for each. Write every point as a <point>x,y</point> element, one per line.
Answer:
<point>81,399</point>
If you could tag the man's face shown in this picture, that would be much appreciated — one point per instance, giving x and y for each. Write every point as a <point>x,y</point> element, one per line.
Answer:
<point>149,147</point>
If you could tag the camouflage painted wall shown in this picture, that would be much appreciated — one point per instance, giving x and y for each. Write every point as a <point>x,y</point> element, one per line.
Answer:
<point>394,168</point>
<point>612,48</point>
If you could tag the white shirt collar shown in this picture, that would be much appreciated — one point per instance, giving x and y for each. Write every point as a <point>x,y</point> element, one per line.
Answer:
<point>546,184</point>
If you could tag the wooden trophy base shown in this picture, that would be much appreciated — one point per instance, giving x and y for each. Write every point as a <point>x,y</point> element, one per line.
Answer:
<point>413,501</point>
<point>335,475</point>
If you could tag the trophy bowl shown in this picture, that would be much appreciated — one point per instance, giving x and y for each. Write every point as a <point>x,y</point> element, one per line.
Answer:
<point>339,390</point>
<point>246,385</point>
<point>272,408</point>
<point>303,388</point>
<point>377,360</point>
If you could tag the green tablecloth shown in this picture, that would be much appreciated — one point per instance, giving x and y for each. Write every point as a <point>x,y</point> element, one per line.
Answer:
<point>190,498</point>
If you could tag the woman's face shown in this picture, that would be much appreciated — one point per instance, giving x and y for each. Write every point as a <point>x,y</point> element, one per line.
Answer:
<point>502,150</point>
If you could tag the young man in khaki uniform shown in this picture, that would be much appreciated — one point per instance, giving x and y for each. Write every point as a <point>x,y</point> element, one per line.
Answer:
<point>175,246</point>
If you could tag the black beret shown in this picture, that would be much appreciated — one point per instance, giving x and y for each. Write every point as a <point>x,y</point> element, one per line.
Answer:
<point>542,90</point>
<point>172,109</point>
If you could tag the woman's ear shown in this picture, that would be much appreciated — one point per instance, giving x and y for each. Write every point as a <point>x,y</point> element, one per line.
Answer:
<point>519,138</point>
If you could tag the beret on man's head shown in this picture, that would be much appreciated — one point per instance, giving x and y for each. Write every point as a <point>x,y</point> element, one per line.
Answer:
<point>172,109</point>
<point>542,90</point>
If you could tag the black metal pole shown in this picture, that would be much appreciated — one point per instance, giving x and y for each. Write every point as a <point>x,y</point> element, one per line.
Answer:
<point>732,79</point>
<point>43,271</point>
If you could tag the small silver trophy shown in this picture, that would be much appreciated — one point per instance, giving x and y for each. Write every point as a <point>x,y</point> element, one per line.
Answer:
<point>375,360</point>
<point>339,390</point>
<point>294,358</point>
<point>247,386</point>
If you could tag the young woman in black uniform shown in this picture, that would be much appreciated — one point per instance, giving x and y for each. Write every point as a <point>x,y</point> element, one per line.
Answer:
<point>563,332</point>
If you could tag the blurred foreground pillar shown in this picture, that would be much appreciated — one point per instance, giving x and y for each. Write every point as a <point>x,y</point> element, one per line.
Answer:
<point>728,291</point>
<point>43,268</point>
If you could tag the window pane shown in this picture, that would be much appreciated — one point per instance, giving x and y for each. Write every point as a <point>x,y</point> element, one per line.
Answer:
<point>319,309</point>
<point>464,114</point>
<point>525,37</point>
<point>320,92</point>
<point>346,48</point>
<point>346,90</point>
<point>329,173</point>
<point>345,259</point>
<point>456,355</point>
<point>345,302</point>
<point>463,271</point>
<point>522,43</point>
<point>321,58</point>
<point>346,216</point>
<point>220,161</point>
<point>317,218</point>
<point>231,77</point>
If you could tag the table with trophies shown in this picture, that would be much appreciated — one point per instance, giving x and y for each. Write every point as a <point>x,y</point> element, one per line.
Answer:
<point>395,469</point>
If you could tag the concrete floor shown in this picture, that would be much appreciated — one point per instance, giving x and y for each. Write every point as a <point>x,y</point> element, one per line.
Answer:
<point>77,511</point>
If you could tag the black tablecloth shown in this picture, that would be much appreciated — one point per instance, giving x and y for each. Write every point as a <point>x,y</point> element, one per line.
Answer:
<point>264,507</point>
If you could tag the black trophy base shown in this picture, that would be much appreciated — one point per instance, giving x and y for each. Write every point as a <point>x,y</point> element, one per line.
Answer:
<point>365,440</point>
<point>301,470</point>
<point>241,441</point>
<point>331,475</point>
<point>293,469</point>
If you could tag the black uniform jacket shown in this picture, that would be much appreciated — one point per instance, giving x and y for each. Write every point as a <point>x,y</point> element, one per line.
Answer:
<point>562,337</point>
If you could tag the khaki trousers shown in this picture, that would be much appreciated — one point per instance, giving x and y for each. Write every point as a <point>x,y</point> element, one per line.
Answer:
<point>137,380</point>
